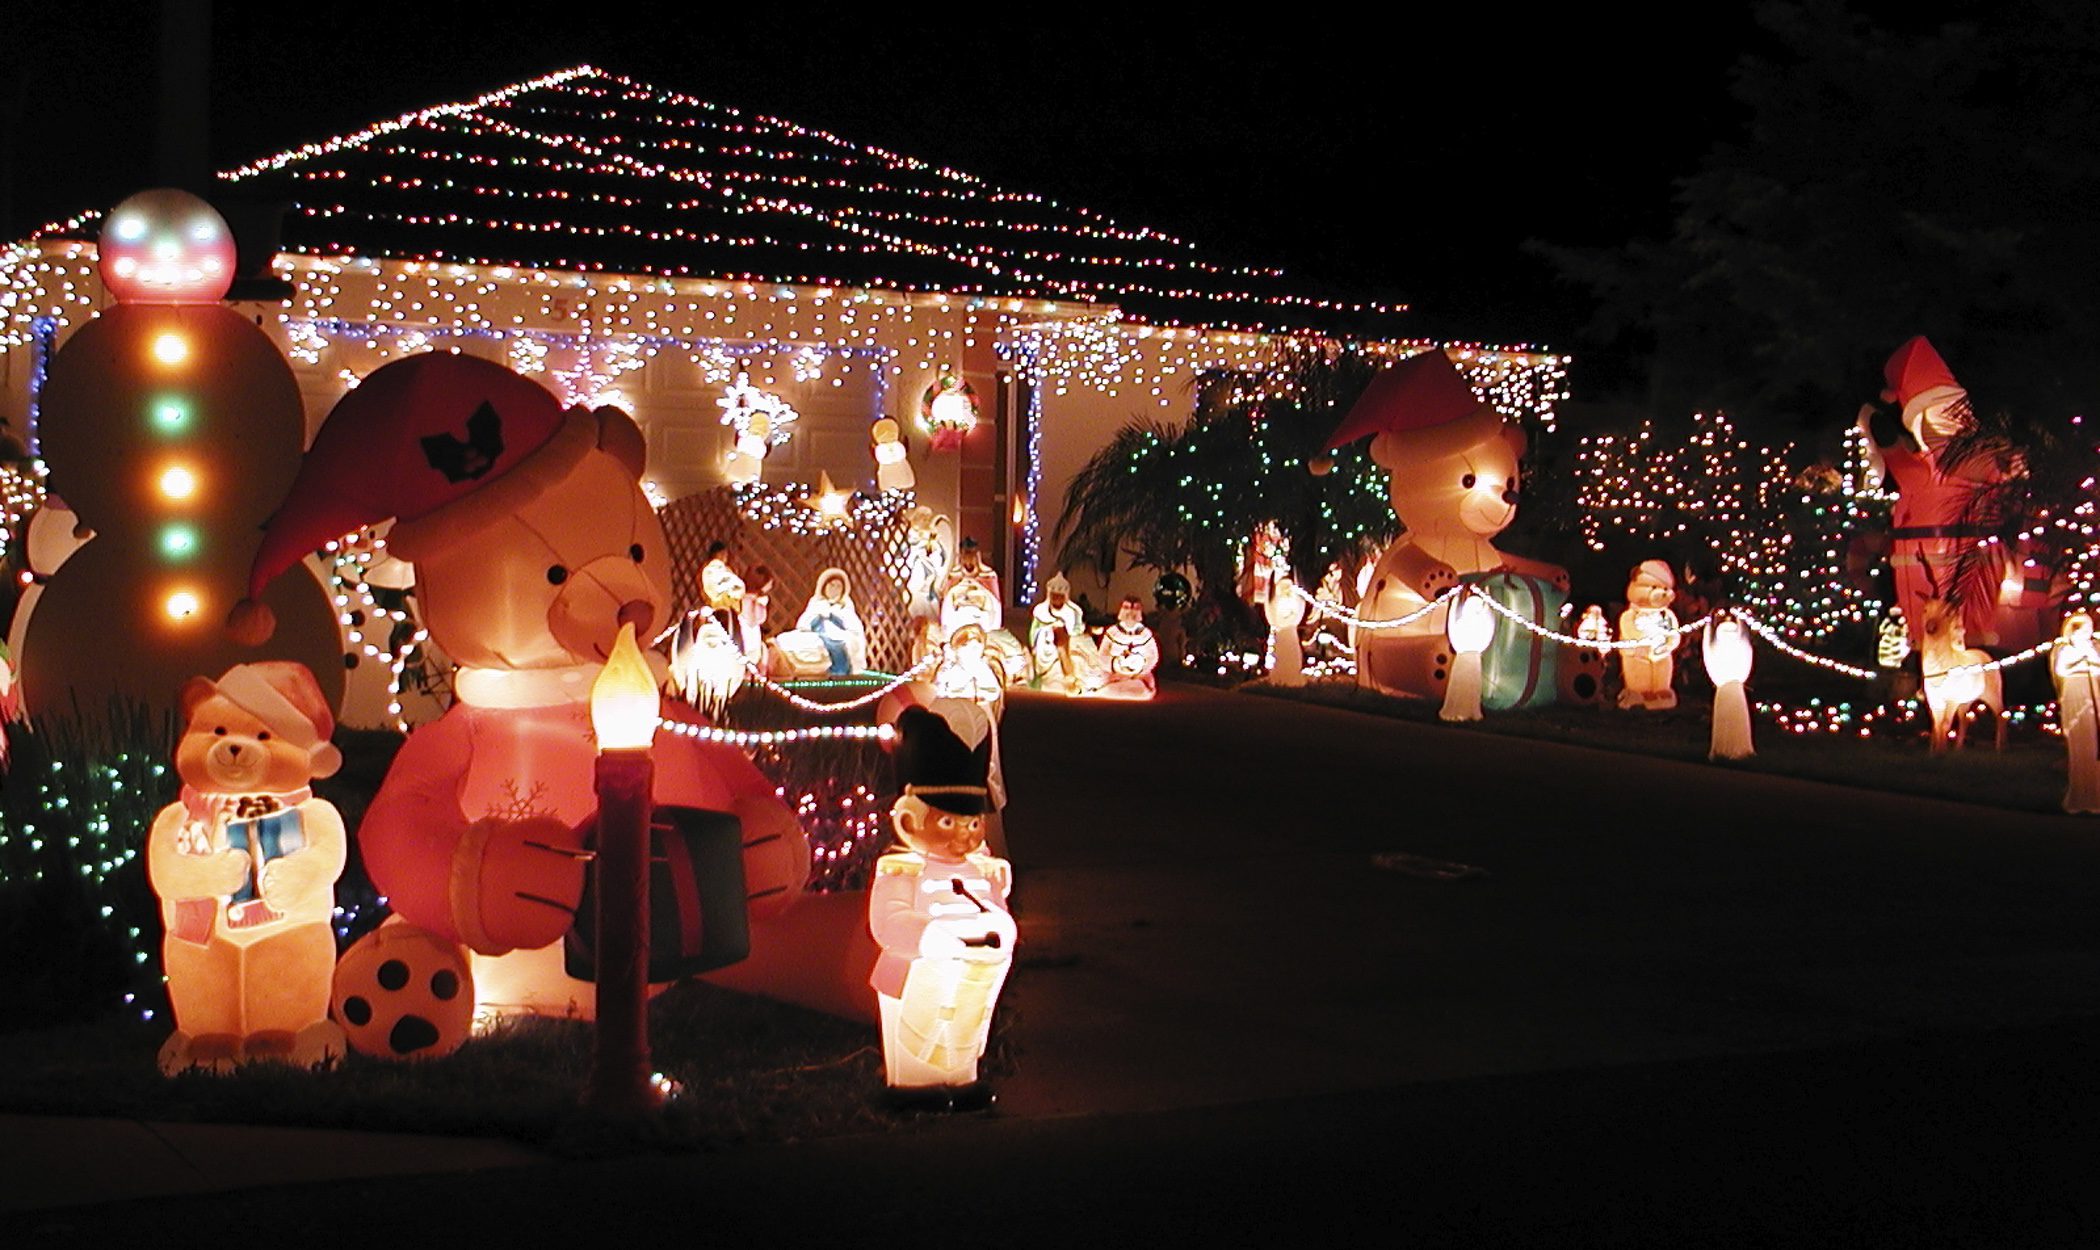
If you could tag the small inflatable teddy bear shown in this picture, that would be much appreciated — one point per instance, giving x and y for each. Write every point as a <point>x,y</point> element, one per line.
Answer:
<point>1454,484</point>
<point>245,866</point>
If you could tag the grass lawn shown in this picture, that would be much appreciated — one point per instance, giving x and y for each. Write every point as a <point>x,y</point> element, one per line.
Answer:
<point>747,1069</point>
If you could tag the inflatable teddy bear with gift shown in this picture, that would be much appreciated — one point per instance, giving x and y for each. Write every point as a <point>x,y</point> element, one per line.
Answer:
<point>1454,482</point>
<point>532,543</point>
<point>245,865</point>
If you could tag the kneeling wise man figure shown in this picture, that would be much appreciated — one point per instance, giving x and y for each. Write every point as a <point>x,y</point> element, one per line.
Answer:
<point>938,909</point>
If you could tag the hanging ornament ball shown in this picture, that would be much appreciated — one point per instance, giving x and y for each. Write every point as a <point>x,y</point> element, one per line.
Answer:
<point>1321,465</point>
<point>1172,591</point>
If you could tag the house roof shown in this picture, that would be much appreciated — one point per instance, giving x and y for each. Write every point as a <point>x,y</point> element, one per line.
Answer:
<point>587,170</point>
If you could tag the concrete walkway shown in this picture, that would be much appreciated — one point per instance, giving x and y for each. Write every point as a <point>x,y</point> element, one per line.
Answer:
<point>1215,969</point>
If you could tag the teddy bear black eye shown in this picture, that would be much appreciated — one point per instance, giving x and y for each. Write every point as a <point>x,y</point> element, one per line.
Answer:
<point>263,736</point>
<point>556,574</point>
<point>636,552</point>
<point>1466,481</point>
<point>221,731</point>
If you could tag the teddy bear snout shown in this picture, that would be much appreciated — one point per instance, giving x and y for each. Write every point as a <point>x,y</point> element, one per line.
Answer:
<point>587,614</point>
<point>639,613</point>
<point>236,755</point>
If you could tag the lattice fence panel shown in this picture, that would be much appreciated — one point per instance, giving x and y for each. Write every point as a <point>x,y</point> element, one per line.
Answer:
<point>770,525</point>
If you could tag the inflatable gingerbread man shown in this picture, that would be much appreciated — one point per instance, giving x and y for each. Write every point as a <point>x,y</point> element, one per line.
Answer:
<point>532,543</point>
<point>1454,483</point>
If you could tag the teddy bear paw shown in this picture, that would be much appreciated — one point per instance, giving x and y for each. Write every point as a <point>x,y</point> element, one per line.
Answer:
<point>1438,580</point>
<point>213,1052</point>
<point>516,883</point>
<point>317,1045</point>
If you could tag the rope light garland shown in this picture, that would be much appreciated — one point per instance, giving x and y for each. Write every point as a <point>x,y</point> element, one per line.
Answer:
<point>1356,622</point>
<point>828,709</point>
<point>782,737</point>
<point>1623,644</point>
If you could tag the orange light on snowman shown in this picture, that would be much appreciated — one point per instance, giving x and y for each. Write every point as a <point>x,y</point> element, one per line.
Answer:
<point>178,482</point>
<point>171,348</point>
<point>182,605</point>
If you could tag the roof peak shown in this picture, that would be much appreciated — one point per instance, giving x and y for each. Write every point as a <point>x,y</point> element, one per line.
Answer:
<point>586,169</point>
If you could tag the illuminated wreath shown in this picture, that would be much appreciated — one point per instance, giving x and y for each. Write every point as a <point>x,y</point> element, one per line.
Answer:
<point>947,411</point>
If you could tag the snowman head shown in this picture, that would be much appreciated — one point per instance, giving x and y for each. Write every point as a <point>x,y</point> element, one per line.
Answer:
<point>166,247</point>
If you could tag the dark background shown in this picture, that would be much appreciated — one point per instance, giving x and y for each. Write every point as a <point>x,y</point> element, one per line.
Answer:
<point>1404,160</point>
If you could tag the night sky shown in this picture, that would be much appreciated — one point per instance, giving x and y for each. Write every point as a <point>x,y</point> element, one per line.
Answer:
<point>1404,160</point>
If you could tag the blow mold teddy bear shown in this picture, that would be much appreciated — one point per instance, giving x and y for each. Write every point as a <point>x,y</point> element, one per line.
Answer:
<point>1647,671</point>
<point>172,425</point>
<point>1453,466</point>
<point>532,543</point>
<point>245,865</point>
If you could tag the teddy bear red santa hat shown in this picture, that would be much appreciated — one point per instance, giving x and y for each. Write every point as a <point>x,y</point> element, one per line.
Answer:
<point>447,444</point>
<point>285,697</point>
<point>1426,402</point>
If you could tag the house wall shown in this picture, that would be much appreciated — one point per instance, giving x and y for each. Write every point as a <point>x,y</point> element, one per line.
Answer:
<point>665,351</point>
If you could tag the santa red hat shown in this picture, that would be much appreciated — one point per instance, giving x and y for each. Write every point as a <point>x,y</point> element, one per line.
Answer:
<point>1657,571</point>
<point>1424,399</point>
<point>284,696</point>
<point>446,443</point>
<point>1914,369</point>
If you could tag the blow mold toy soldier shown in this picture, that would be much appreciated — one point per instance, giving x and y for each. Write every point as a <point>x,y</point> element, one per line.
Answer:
<point>938,910</point>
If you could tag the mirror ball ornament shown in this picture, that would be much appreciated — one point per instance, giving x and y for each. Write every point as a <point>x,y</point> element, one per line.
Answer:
<point>1172,591</point>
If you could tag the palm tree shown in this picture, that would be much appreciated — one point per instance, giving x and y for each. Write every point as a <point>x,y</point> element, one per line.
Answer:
<point>1191,496</point>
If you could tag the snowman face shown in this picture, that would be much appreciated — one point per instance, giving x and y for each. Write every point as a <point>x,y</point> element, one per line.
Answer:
<point>166,247</point>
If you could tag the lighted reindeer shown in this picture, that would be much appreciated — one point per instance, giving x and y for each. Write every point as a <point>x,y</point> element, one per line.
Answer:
<point>1953,687</point>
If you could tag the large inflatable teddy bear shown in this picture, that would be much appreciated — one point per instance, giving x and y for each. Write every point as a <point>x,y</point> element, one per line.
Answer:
<point>1454,482</point>
<point>532,543</point>
<point>245,866</point>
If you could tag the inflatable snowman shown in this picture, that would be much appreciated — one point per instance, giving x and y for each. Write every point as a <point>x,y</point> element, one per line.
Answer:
<point>172,426</point>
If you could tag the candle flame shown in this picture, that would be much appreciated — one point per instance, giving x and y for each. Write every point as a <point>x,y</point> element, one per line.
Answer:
<point>625,705</point>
